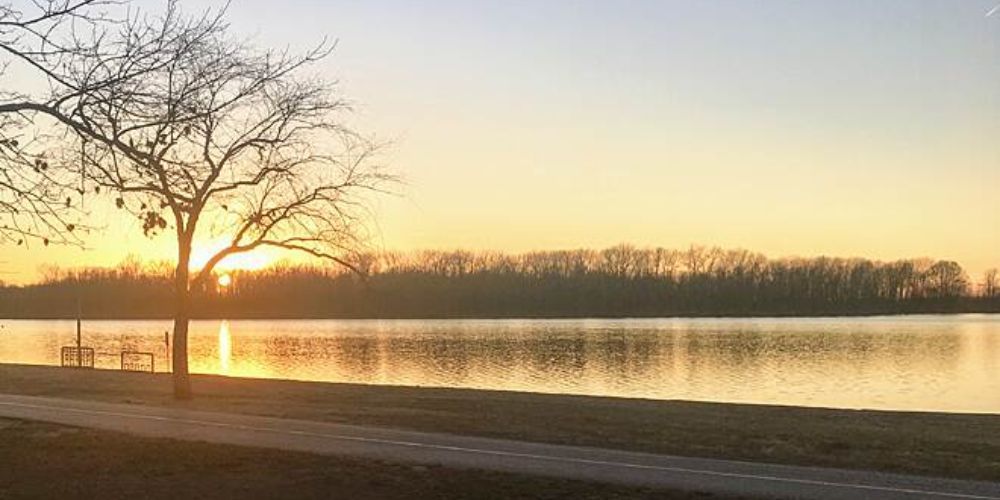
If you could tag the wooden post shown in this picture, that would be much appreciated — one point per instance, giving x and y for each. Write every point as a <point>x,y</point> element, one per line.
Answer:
<point>79,352</point>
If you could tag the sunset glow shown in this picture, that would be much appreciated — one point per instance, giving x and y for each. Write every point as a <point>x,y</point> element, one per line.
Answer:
<point>250,261</point>
<point>856,139</point>
<point>614,230</point>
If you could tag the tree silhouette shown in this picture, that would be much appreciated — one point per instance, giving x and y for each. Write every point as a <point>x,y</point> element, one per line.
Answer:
<point>623,281</point>
<point>193,131</point>
<point>991,283</point>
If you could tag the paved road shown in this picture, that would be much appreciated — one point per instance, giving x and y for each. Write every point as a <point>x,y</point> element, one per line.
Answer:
<point>718,476</point>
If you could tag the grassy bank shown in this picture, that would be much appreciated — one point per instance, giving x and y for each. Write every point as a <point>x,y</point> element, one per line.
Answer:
<point>48,461</point>
<point>953,445</point>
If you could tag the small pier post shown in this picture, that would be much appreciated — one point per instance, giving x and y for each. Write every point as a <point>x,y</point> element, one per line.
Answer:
<point>166,341</point>
<point>79,313</point>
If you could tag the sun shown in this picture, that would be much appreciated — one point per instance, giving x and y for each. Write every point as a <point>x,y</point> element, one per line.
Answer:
<point>249,261</point>
<point>225,280</point>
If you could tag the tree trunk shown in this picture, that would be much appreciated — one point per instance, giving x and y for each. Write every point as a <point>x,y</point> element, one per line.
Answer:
<point>182,303</point>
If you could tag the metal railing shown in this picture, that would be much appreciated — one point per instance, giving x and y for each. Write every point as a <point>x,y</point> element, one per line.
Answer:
<point>136,361</point>
<point>77,357</point>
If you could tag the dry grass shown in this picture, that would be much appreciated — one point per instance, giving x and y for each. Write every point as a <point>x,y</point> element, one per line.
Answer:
<point>951,445</point>
<point>49,461</point>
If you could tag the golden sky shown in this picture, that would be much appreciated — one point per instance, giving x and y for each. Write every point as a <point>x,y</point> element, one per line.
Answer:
<point>791,128</point>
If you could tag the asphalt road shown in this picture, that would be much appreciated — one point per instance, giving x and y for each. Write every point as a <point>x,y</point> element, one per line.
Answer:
<point>717,476</point>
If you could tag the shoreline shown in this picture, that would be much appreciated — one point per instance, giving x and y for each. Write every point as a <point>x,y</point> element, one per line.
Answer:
<point>873,315</point>
<point>512,392</point>
<point>954,445</point>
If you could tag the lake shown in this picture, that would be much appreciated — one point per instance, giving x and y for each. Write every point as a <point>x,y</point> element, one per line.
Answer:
<point>942,363</point>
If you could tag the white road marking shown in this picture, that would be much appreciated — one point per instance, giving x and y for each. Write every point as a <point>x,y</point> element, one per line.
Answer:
<point>550,458</point>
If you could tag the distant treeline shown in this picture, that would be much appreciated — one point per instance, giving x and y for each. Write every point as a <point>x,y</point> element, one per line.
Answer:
<point>618,281</point>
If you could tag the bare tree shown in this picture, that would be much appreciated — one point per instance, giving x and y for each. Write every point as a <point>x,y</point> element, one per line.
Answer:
<point>991,283</point>
<point>946,279</point>
<point>200,133</point>
<point>35,201</point>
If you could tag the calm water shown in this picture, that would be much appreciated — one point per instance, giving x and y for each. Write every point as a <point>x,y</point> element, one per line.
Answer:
<point>949,363</point>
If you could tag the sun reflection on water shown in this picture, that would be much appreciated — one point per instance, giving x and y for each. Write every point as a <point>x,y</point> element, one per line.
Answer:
<point>225,347</point>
